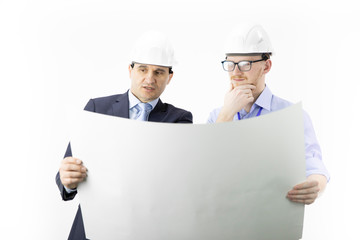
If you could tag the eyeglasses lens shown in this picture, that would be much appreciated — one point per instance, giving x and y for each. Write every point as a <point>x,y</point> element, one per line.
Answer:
<point>228,66</point>
<point>244,66</point>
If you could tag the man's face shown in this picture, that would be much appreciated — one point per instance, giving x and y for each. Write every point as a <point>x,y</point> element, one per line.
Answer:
<point>148,81</point>
<point>256,75</point>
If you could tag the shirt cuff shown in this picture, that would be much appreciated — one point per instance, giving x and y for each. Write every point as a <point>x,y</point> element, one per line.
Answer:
<point>68,190</point>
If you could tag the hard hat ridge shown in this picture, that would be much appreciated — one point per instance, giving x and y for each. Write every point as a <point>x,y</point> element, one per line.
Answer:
<point>249,41</point>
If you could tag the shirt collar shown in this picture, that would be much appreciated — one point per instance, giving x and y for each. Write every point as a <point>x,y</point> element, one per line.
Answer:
<point>264,100</point>
<point>133,101</point>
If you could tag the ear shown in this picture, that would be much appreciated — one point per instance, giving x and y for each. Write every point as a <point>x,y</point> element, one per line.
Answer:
<point>268,65</point>
<point>170,77</point>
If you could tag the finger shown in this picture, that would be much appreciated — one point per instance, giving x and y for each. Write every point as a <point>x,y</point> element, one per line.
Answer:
<point>231,87</point>
<point>73,167</point>
<point>243,91</point>
<point>73,175</point>
<point>303,191</point>
<point>252,87</point>
<point>71,182</point>
<point>303,196</point>
<point>246,86</point>
<point>306,184</point>
<point>72,160</point>
<point>251,99</point>
<point>304,201</point>
<point>247,91</point>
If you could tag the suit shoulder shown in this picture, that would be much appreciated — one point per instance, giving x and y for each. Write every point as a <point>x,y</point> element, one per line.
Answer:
<point>102,104</point>
<point>171,107</point>
<point>111,98</point>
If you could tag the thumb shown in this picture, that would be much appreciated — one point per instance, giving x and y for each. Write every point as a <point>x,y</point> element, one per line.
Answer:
<point>231,87</point>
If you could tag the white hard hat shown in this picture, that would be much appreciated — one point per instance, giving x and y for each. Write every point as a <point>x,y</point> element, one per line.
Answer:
<point>153,48</point>
<point>248,40</point>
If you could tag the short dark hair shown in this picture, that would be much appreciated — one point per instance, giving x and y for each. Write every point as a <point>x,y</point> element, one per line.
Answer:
<point>265,56</point>
<point>170,68</point>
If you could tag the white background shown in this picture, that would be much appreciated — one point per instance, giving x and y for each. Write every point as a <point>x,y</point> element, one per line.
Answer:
<point>55,55</point>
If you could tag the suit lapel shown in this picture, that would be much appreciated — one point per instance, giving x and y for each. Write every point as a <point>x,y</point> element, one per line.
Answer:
<point>121,106</point>
<point>121,109</point>
<point>158,113</point>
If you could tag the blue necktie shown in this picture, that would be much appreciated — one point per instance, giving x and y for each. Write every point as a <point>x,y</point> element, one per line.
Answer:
<point>145,109</point>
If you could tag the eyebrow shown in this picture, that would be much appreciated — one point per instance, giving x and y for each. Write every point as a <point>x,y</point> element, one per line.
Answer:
<point>157,69</point>
<point>143,66</point>
<point>160,70</point>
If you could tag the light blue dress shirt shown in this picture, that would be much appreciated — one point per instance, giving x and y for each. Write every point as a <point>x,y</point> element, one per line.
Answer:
<point>270,103</point>
<point>133,101</point>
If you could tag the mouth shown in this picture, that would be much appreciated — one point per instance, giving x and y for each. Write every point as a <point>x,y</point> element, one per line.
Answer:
<point>148,88</point>
<point>238,78</point>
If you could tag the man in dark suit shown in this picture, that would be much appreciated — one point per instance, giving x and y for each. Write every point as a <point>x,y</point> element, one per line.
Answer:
<point>150,72</point>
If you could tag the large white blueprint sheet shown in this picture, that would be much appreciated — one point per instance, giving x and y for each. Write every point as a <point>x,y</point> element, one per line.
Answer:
<point>162,181</point>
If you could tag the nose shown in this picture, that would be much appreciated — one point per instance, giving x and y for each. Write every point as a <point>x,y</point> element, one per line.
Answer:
<point>149,78</point>
<point>236,69</point>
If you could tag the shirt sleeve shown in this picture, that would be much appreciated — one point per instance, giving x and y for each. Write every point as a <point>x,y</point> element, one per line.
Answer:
<point>68,190</point>
<point>313,155</point>
<point>213,115</point>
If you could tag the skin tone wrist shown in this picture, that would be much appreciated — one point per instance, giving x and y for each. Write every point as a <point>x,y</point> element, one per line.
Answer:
<point>225,115</point>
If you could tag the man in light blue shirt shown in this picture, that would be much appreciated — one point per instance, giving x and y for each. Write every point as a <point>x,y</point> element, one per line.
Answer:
<point>247,61</point>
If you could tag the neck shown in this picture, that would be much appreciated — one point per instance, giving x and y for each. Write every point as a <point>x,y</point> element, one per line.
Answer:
<point>258,93</point>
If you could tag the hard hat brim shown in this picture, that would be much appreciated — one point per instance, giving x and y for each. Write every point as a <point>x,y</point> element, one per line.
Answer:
<point>248,54</point>
<point>151,64</point>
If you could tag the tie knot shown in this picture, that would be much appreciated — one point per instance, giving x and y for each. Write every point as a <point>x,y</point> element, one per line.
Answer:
<point>145,106</point>
<point>144,111</point>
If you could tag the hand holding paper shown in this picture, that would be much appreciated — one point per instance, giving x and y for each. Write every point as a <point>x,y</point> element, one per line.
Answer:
<point>72,172</point>
<point>308,191</point>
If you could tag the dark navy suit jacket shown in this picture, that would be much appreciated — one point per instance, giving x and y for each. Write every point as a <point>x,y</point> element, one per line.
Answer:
<point>118,105</point>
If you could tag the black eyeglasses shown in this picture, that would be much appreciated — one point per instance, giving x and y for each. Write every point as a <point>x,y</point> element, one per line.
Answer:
<point>243,66</point>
